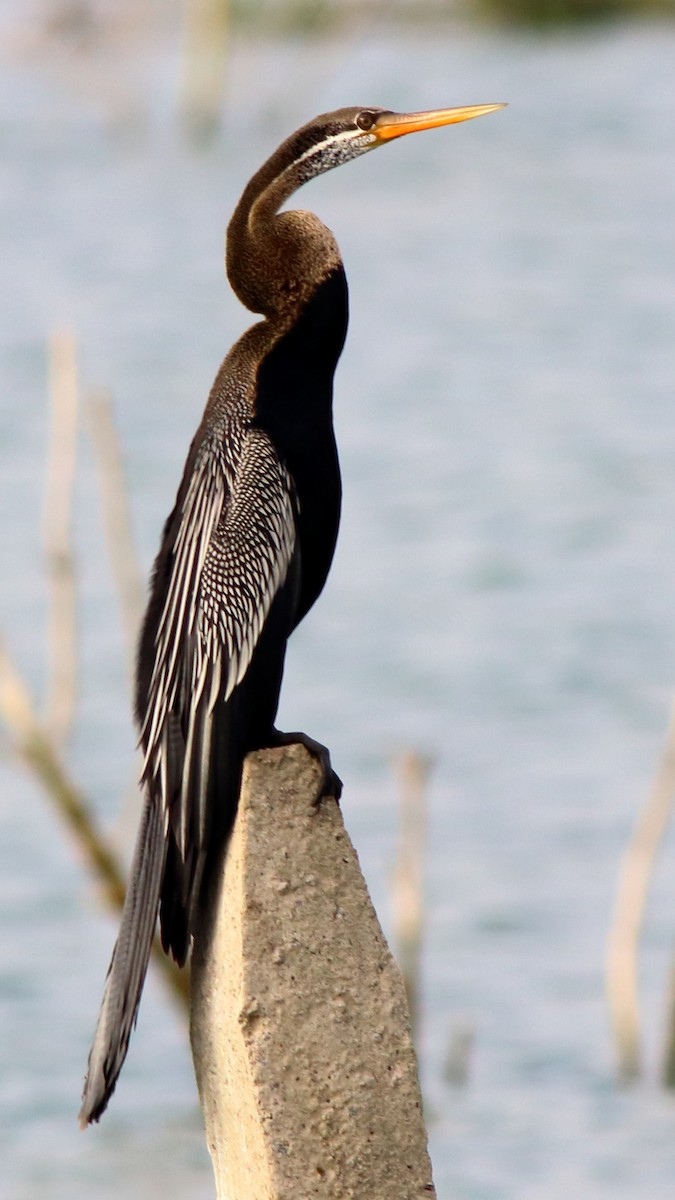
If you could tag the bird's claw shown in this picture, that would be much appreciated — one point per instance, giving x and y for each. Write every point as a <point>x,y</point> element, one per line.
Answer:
<point>331,784</point>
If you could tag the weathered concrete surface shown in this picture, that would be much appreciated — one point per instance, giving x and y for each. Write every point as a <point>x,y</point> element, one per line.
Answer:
<point>299,1027</point>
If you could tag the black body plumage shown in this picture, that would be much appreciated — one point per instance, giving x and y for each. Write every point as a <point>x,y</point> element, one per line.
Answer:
<point>243,557</point>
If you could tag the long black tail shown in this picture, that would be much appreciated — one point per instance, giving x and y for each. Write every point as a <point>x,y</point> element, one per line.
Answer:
<point>129,963</point>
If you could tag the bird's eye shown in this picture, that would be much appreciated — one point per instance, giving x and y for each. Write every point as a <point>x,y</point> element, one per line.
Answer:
<point>365,120</point>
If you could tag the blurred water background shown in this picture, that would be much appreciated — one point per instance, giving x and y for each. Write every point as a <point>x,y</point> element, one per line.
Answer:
<point>503,592</point>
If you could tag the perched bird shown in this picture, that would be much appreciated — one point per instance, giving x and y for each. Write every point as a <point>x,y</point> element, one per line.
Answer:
<point>243,557</point>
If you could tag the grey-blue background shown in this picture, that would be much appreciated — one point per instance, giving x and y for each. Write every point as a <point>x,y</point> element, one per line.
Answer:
<point>502,595</point>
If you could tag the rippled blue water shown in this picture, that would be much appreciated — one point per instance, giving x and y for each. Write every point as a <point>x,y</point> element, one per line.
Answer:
<point>504,588</point>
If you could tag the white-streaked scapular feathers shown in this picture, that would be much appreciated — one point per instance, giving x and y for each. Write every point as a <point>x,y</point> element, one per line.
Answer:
<point>235,541</point>
<point>232,552</point>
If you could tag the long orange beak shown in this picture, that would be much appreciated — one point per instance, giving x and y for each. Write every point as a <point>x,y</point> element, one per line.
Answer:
<point>392,125</point>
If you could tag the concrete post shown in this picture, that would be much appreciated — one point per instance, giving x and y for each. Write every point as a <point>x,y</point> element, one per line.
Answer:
<point>299,1025</point>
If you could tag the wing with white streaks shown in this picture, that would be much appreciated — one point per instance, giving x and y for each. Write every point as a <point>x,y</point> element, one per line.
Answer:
<point>200,512</point>
<point>246,564</point>
<point>236,538</point>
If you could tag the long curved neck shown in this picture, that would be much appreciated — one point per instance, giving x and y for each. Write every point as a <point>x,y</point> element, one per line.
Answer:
<point>275,261</point>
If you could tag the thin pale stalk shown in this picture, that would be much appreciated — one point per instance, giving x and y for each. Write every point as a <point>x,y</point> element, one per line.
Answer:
<point>204,53</point>
<point>624,935</point>
<point>669,1056</point>
<point>408,876</point>
<point>57,536</point>
<point>117,518</point>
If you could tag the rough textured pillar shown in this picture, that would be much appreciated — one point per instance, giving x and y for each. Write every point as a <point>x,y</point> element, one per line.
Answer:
<point>299,1026</point>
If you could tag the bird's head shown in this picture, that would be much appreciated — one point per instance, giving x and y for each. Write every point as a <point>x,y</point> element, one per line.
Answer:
<point>337,137</point>
<point>272,256</point>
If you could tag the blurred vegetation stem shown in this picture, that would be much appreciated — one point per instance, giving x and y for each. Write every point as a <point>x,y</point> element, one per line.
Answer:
<point>624,935</point>
<point>35,746</point>
<point>408,877</point>
<point>205,44</point>
<point>57,535</point>
<point>117,521</point>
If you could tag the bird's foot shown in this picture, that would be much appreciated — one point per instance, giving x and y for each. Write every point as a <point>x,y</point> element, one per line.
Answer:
<point>331,784</point>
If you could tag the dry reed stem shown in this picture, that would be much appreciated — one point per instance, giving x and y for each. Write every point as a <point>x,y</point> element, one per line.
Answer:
<point>35,746</point>
<point>204,52</point>
<point>117,518</point>
<point>624,934</point>
<point>407,886</point>
<point>668,1072</point>
<point>458,1054</point>
<point>57,536</point>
